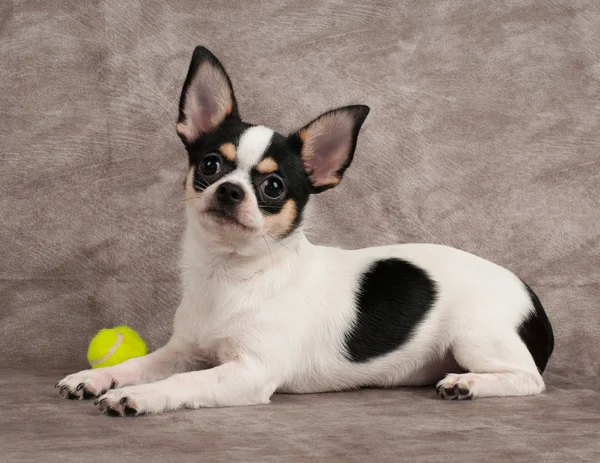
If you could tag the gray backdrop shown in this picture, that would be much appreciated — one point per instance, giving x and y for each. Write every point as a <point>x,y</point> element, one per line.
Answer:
<point>484,134</point>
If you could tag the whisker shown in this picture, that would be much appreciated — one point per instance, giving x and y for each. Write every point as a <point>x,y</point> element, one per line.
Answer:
<point>201,184</point>
<point>281,242</point>
<point>269,248</point>
<point>184,200</point>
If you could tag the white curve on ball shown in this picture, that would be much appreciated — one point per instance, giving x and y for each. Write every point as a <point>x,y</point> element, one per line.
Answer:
<point>111,351</point>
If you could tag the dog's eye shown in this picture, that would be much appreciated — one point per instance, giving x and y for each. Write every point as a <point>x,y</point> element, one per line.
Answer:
<point>210,165</point>
<point>273,187</point>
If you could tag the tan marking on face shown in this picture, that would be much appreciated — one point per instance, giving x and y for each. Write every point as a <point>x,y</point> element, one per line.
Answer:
<point>267,166</point>
<point>228,150</point>
<point>281,223</point>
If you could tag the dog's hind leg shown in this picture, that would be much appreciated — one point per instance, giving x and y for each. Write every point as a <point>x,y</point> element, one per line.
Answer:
<point>498,364</point>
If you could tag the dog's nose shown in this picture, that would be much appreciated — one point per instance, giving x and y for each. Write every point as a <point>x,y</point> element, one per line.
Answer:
<point>230,193</point>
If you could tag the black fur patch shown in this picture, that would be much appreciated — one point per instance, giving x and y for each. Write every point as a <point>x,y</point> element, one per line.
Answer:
<point>290,167</point>
<point>536,332</point>
<point>229,131</point>
<point>393,299</point>
<point>291,170</point>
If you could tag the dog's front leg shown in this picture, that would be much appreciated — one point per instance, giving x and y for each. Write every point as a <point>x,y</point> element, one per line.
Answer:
<point>230,384</point>
<point>173,358</point>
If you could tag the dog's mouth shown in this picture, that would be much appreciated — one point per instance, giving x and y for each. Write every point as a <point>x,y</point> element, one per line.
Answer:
<point>225,218</point>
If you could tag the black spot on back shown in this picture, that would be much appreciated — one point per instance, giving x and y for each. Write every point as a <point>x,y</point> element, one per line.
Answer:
<point>536,332</point>
<point>393,298</point>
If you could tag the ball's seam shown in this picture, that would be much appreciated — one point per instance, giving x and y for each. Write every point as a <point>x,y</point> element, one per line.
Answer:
<point>110,352</point>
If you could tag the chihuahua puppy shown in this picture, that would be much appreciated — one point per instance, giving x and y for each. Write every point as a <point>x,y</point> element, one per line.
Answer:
<point>263,310</point>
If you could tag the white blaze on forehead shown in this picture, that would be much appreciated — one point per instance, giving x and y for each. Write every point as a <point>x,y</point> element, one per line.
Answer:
<point>252,146</point>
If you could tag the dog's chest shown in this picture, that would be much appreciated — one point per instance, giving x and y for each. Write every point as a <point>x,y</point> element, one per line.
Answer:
<point>215,340</point>
<point>218,321</point>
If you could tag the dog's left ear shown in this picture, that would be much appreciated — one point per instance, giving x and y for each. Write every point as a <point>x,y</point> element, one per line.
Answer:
<point>327,144</point>
<point>207,97</point>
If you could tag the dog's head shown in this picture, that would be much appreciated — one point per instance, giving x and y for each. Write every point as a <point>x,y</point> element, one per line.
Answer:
<point>245,181</point>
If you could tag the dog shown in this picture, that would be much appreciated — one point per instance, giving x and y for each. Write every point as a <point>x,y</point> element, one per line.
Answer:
<point>265,311</point>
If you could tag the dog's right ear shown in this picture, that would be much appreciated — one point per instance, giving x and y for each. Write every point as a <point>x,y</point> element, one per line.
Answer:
<point>207,97</point>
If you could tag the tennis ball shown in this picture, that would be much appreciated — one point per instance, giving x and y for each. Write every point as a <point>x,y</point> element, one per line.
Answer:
<point>115,345</point>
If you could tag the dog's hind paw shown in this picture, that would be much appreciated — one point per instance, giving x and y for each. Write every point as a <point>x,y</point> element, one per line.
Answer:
<point>455,387</point>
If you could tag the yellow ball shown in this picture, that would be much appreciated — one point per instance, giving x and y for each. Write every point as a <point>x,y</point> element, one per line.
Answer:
<point>115,345</point>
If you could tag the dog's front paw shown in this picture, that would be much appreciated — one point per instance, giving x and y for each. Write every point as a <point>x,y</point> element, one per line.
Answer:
<point>455,387</point>
<point>86,384</point>
<point>132,401</point>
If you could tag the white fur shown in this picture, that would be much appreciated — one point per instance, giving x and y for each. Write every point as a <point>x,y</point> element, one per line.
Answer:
<point>253,143</point>
<point>258,316</point>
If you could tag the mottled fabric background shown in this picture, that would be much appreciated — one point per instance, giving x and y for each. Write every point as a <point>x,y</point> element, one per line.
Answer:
<point>484,134</point>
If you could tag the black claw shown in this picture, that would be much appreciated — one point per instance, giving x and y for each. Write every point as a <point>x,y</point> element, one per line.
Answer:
<point>454,393</point>
<point>123,400</point>
<point>112,412</point>
<point>62,389</point>
<point>449,391</point>
<point>96,402</point>
<point>56,385</point>
<point>113,384</point>
<point>130,411</point>
<point>79,387</point>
